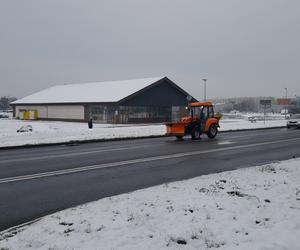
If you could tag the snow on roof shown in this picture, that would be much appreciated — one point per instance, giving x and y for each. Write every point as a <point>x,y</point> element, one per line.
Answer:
<point>110,91</point>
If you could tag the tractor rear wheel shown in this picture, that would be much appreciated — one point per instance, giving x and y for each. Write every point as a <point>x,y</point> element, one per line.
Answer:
<point>212,131</point>
<point>196,134</point>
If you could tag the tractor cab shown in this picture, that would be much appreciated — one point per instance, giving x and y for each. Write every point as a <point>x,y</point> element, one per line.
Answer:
<point>201,110</point>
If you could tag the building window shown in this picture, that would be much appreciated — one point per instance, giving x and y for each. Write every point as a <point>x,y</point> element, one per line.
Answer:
<point>134,114</point>
<point>140,114</point>
<point>99,113</point>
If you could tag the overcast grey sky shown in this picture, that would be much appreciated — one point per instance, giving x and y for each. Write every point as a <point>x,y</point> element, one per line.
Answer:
<point>243,47</point>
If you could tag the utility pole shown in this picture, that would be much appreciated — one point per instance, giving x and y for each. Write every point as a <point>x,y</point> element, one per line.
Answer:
<point>285,93</point>
<point>286,103</point>
<point>204,80</point>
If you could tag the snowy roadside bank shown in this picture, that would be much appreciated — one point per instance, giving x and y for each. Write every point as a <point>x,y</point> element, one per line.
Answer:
<point>49,132</point>
<point>252,208</point>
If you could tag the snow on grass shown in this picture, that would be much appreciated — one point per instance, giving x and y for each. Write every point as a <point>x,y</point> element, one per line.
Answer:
<point>238,124</point>
<point>56,132</point>
<point>258,116</point>
<point>252,208</point>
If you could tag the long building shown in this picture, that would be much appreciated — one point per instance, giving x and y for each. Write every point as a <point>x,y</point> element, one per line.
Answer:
<point>129,101</point>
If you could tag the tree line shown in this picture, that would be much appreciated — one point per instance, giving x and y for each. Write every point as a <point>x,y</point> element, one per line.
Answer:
<point>5,102</point>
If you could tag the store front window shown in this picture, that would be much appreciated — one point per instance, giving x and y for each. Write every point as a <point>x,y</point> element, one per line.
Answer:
<point>133,114</point>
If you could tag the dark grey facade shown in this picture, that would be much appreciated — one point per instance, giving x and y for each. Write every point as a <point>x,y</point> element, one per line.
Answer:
<point>159,102</point>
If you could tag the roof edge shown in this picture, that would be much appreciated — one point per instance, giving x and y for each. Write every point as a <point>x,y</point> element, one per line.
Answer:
<point>153,84</point>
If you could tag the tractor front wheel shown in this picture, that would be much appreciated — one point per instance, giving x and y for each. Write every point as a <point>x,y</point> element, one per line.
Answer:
<point>212,131</point>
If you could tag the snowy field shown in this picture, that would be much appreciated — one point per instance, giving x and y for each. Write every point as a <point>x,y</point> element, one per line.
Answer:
<point>258,116</point>
<point>252,208</point>
<point>56,132</point>
<point>238,124</point>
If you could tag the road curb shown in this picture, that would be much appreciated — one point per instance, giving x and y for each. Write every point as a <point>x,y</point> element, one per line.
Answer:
<point>76,142</point>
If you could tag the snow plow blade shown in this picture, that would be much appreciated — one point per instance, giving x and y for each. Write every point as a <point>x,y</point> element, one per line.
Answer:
<point>177,129</point>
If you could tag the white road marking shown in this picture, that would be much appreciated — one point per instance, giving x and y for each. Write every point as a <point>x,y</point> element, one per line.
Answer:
<point>135,161</point>
<point>225,142</point>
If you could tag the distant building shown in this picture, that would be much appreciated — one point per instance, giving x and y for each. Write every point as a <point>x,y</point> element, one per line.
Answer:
<point>288,105</point>
<point>243,104</point>
<point>295,105</point>
<point>284,101</point>
<point>129,101</point>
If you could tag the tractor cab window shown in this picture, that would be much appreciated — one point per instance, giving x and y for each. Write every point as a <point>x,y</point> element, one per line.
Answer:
<point>202,112</point>
<point>196,111</point>
<point>210,112</point>
<point>205,113</point>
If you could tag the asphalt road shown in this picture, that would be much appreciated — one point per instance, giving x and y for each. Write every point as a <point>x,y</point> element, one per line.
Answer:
<point>38,181</point>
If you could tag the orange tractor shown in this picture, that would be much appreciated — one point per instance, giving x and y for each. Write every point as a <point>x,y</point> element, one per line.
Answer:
<point>201,119</point>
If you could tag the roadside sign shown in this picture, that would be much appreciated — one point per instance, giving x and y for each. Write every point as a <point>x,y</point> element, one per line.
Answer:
<point>266,103</point>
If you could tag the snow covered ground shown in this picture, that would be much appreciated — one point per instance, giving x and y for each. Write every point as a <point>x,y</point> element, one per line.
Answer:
<point>258,116</point>
<point>238,124</point>
<point>55,132</point>
<point>252,208</point>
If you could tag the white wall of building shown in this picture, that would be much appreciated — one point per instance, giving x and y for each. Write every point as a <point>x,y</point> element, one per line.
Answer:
<point>55,111</point>
<point>66,112</point>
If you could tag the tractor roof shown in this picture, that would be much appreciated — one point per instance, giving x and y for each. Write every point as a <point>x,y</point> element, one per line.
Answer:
<point>200,104</point>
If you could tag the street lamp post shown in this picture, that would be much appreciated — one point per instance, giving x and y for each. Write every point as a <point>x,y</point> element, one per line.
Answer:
<point>204,80</point>
<point>285,93</point>
<point>286,103</point>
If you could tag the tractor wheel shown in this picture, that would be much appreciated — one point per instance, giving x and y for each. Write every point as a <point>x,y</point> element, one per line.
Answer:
<point>196,134</point>
<point>212,131</point>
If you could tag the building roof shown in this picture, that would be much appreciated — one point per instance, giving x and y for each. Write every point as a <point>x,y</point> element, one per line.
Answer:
<point>110,91</point>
